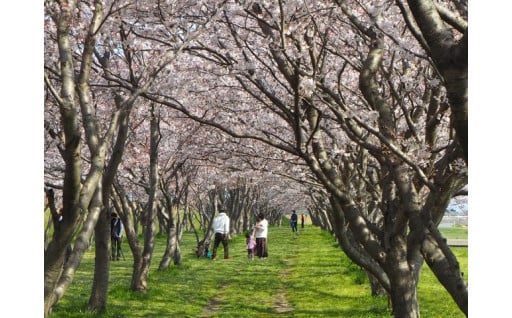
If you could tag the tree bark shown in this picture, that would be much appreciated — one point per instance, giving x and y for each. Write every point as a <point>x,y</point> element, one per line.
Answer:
<point>446,268</point>
<point>54,255</point>
<point>99,292</point>
<point>80,246</point>
<point>172,238</point>
<point>403,281</point>
<point>126,212</point>
<point>451,58</point>
<point>140,274</point>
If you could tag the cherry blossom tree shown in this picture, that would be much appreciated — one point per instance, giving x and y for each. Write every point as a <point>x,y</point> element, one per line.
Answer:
<point>101,73</point>
<point>73,79</point>
<point>352,91</point>
<point>443,34</point>
<point>363,103</point>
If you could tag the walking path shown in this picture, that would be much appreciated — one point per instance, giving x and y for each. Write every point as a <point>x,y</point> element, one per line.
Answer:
<point>458,242</point>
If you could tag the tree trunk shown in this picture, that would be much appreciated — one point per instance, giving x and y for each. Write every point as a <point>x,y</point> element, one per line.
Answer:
<point>177,257</point>
<point>445,266</point>
<point>140,275</point>
<point>54,215</point>
<point>451,58</point>
<point>172,242</point>
<point>126,212</point>
<point>80,246</point>
<point>434,248</point>
<point>77,195</point>
<point>172,252</point>
<point>98,298</point>
<point>54,259</point>
<point>402,277</point>
<point>99,294</point>
<point>376,286</point>
<point>162,226</point>
<point>141,272</point>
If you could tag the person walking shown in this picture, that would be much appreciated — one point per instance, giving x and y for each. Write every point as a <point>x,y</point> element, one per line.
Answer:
<point>260,232</point>
<point>302,220</point>
<point>116,236</point>
<point>221,229</point>
<point>293,221</point>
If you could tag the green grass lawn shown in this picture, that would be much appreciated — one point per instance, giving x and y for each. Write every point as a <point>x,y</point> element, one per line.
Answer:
<point>455,232</point>
<point>306,275</point>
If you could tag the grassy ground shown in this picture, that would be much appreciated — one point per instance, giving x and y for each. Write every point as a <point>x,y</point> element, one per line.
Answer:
<point>306,275</point>
<point>455,232</point>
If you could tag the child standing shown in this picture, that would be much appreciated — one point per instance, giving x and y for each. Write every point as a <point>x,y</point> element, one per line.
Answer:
<point>251,245</point>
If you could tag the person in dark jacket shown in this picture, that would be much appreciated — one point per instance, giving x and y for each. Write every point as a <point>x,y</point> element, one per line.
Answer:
<point>293,221</point>
<point>116,238</point>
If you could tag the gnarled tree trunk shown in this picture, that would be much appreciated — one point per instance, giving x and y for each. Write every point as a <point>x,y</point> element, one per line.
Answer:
<point>141,271</point>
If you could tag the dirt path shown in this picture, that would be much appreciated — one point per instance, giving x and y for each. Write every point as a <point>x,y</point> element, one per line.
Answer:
<point>281,304</point>
<point>214,304</point>
<point>212,307</point>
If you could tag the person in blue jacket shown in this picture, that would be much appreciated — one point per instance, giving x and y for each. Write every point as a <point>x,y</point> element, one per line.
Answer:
<point>116,238</point>
<point>293,221</point>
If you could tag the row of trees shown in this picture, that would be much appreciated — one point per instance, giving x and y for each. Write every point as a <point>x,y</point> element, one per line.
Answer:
<point>363,103</point>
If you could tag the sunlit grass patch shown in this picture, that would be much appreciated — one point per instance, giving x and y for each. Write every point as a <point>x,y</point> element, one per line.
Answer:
<point>305,275</point>
<point>455,232</point>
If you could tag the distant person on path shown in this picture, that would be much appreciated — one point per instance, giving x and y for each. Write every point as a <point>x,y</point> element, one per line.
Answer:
<point>251,245</point>
<point>302,220</point>
<point>116,236</point>
<point>260,232</point>
<point>221,229</point>
<point>293,221</point>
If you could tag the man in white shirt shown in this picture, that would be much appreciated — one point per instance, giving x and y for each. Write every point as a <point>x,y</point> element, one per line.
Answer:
<point>221,229</point>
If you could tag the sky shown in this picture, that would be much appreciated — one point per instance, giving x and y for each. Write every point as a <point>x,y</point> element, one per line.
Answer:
<point>22,157</point>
